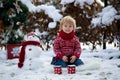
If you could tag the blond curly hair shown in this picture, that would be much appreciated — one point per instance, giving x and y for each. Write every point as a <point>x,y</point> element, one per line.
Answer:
<point>69,20</point>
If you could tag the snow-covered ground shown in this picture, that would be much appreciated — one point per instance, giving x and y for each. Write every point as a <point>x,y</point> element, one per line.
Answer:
<point>98,65</point>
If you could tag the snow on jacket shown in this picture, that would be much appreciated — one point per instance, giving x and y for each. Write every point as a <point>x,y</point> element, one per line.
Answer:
<point>63,47</point>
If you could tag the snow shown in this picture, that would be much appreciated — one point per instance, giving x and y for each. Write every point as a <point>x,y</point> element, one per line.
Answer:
<point>66,1</point>
<point>100,2</point>
<point>98,65</point>
<point>52,24</point>
<point>81,2</point>
<point>106,17</point>
<point>51,11</point>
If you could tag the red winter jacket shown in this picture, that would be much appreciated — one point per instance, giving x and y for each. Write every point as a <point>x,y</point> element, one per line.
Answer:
<point>63,47</point>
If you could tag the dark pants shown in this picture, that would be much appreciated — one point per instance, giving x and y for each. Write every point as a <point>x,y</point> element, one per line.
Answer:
<point>60,62</point>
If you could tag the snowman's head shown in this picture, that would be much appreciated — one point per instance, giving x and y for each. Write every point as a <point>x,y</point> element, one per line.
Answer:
<point>32,36</point>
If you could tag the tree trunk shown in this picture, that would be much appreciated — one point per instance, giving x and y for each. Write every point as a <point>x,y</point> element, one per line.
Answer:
<point>106,2</point>
<point>104,35</point>
<point>104,41</point>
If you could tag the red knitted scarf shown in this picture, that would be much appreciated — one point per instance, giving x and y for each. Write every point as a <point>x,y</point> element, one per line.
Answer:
<point>66,36</point>
<point>22,53</point>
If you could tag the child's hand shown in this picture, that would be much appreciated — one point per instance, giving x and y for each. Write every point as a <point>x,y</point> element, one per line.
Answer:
<point>65,58</point>
<point>73,58</point>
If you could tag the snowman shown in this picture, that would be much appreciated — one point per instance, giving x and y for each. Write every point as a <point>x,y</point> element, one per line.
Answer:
<point>30,52</point>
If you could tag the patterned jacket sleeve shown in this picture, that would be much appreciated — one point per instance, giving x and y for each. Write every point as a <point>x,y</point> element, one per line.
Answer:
<point>77,50</point>
<point>56,48</point>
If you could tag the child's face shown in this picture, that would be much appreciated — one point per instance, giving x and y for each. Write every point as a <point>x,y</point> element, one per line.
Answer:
<point>67,28</point>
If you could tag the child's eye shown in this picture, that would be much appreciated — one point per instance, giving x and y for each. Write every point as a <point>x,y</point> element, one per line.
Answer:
<point>65,25</point>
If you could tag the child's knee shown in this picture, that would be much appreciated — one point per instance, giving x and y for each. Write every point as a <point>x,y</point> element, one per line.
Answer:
<point>78,62</point>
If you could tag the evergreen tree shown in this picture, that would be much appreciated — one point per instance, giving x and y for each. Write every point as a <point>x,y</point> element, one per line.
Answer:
<point>14,14</point>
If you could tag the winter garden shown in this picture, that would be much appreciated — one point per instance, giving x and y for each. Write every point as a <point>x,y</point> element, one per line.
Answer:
<point>98,30</point>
